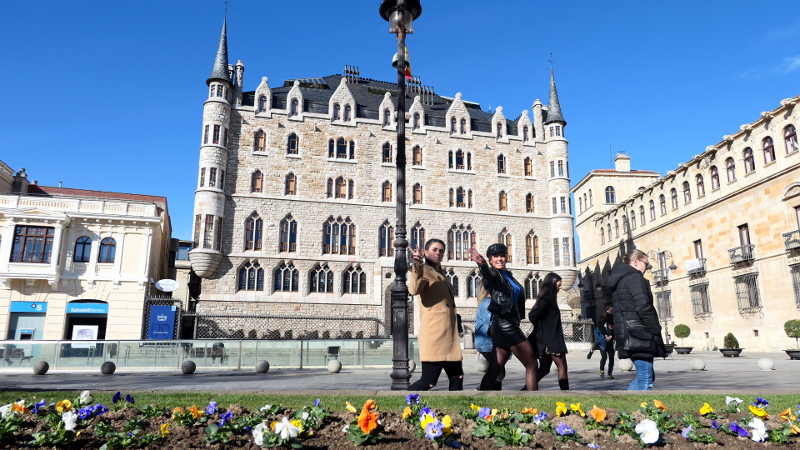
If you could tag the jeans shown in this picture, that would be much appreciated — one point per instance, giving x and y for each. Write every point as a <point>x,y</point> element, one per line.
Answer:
<point>644,375</point>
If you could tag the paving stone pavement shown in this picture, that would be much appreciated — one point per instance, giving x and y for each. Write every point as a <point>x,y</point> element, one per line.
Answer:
<point>672,374</point>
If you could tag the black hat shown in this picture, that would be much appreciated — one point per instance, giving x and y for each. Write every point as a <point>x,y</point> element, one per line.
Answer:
<point>496,250</point>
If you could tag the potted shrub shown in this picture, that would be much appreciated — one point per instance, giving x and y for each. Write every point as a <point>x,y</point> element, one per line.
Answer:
<point>682,331</point>
<point>731,347</point>
<point>792,329</point>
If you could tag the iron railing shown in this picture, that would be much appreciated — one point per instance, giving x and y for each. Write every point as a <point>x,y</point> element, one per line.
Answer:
<point>794,269</point>
<point>226,326</point>
<point>699,269</point>
<point>747,294</point>
<point>664,304</point>
<point>791,240</point>
<point>701,305</point>
<point>741,254</point>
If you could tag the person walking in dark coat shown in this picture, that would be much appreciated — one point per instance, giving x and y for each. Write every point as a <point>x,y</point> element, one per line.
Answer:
<point>636,326</point>
<point>507,306</point>
<point>548,331</point>
<point>606,327</point>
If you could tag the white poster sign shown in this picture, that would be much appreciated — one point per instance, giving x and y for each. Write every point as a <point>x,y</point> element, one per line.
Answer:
<point>83,333</point>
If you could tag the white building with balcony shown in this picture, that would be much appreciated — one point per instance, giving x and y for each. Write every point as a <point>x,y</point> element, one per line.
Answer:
<point>76,264</point>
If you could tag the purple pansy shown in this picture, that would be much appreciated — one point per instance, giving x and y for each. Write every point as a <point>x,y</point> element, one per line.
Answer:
<point>434,429</point>
<point>425,410</point>
<point>116,398</point>
<point>225,417</point>
<point>484,413</point>
<point>211,408</point>
<point>564,430</point>
<point>316,402</point>
<point>85,413</point>
<point>412,399</point>
<point>715,425</point>
<point>593,445</point>
<point>129,399</point>
<point>685,432</point>
<point>736,428</point>
<point>38,405</point>
<point>539,418</point>
<point>761,402</point>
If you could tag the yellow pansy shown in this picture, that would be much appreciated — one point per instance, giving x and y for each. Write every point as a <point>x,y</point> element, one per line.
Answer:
<point>531,411</point>
<point>758,412</point>
<point>425,420</point>
<point>795,429</point>
<point>164,429</point>
<point>660,405</point>
<point>407,412</point>
<point>63,405</point>
<point>706,409</point>
<point>577,408</point>
<point>19,407</point>
<point>474,407</point>
<point>175,411</point>
<point>195,412</point>
<point>350,407</point>
<point>447,425</point>
<point>272,425</point>
<point>643,405</point>
<point>561,409</point>
<point>297,423</point>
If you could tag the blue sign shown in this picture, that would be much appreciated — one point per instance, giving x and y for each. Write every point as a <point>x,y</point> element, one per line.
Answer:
<point>28,307</point>
<point>161,324</point>
<point>87,308</point>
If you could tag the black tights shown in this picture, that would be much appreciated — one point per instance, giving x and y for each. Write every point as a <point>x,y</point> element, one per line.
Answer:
<point>608,354</point>
<point>493,378</point>
<point>431,371</point>
<point>546,361</point>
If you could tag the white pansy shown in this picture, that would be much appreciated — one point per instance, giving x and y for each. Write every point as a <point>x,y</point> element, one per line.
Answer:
<point>70,419</point>
<point>85,398</point>
<point>5,410</point>
<point>266,408</point>
<point>286,430</point>
<point>258,433</point>
<point>344,430</point>
<point>758,430</point>
<point>305,415</point>
<point>647,431</point>
<point>735,401</point>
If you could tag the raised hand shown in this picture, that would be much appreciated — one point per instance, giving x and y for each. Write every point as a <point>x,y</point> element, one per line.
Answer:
<point>475,257</point>
<point>416,255</point>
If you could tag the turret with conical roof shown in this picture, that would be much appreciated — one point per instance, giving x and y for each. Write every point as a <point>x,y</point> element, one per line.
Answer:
<point>554,108</point>
<point>219,71</point>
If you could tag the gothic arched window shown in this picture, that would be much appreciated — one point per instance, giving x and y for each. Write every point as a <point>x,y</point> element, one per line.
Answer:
<point>257,181</point>
<point>386,239</point>
<point>347,112</point>
<point>341,148</point>
<point>463,126</point>
<point>501,164</point>
<point>474,283</point>
<point>287,237</point>
<point>387,117</point>
<point>290,184</point>
<point>453,279</point>
<point>262,103</point>
<point>416,155</point>
<point>452,125</point>
<point>386,191</point>
<point>335,112</point>
<point>532,284</point>
<point>417,236</point>
<point>253,227</point>
<point>291,144</point>
<point>417,194</point>
<point>528,167</point>
<point>415,121</point>
<point>529,206</point>
<point>286,277</point>
<point>321,279</point>
<point>386,152</point>
<point>251,277</point>
<point>502,201</point>
<point>505,238</point>
<point>354,281</point>
<point>339,236</point>
<point>459,240</point>
<point>294,107</point>
<point>260,141</point>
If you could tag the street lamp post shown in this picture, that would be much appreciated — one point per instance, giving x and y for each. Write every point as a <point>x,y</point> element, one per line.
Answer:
<point>400,14</point>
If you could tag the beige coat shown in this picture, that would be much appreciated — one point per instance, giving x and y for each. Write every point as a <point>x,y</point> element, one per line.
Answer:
<point>438,333</point>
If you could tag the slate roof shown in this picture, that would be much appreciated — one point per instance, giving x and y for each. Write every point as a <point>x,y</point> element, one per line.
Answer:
<point>368,94</point>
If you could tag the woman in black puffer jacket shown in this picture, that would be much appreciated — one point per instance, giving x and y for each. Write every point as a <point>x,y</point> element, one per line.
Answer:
<point>507,307</point>
<point>548,331</point>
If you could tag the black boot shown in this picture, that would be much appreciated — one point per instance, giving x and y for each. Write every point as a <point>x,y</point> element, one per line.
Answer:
<point>456,383</point>
<point>419,385</point>
<point>563,384</point>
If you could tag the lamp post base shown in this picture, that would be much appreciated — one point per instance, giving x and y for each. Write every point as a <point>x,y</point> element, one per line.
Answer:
<point>400,373</point>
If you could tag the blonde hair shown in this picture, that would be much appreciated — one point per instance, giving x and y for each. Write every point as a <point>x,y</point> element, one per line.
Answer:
<point>636,255</point>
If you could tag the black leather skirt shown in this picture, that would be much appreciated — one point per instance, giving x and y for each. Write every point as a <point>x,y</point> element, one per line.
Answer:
<point>505,333</point>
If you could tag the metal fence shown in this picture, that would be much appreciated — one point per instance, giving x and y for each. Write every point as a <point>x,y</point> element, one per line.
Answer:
<point>575,331</point>
<point>208,326</point>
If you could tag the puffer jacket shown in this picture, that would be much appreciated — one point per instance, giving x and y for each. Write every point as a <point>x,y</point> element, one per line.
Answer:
<point>634,312</point>
<point>502,304</point>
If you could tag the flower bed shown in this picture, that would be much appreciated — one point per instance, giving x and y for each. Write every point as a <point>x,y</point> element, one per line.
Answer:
<point>83,423</point>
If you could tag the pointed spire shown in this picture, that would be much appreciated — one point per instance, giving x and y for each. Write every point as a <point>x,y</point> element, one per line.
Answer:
<point>220,69</point>
<point>554,108</point>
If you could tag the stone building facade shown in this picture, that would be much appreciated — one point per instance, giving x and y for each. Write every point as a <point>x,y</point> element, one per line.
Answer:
<point>77,263</point>
<point>720,230</point>
<point>295,199</point>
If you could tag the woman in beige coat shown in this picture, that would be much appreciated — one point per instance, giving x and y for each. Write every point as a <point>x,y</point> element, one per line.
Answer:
<point>439,343</point>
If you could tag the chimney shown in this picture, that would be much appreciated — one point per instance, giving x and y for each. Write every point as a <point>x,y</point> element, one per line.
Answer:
<point>20,183</point>
<point>622,162</point>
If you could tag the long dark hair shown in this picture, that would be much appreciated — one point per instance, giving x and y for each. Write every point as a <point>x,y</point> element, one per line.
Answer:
<point>548,290</point>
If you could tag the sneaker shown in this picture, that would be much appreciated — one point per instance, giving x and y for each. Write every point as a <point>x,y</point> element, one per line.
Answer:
<point>651,386</point>
<point>602,374</point>
<point>610,377</point>
<point>589,355</point>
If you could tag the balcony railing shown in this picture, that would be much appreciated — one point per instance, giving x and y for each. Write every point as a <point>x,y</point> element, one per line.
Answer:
<point>659,275</point>
<point>791,240</point>
<point>741,254</point>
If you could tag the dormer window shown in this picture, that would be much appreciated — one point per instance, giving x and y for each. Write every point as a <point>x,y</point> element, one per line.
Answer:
<point>463,126</point>
<point>525,133</point>
<point>294,107</point>
<point>220,91</point>
<point>335,112</point>
<point>499,130</point>
<point>452,125</point>
<point>262,103</point>
<point>387,117</point>
<point>415,121</point>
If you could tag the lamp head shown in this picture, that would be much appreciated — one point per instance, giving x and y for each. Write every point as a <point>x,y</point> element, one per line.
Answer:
<point>400,14</point>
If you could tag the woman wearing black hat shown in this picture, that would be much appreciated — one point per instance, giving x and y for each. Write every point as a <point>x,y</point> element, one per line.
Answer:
<point>508,308</point>
<point>548,332</point>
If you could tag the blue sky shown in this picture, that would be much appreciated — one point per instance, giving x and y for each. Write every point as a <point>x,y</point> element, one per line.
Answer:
<point>108,95</point>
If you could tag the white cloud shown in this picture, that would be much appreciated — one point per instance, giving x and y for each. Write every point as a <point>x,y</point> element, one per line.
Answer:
<point>790,64</point>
